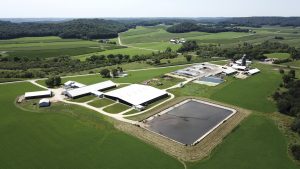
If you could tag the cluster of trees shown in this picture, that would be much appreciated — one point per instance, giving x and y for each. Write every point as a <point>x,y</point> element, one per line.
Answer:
<point>53,81</point>
<point>188,46</point>
<point>190,27</point>
<point>106,73</point>
<point>288,102</point>
<point>260,21</point>
<point>78,28</point>
<point>22,67</point>
<point>252,51</point>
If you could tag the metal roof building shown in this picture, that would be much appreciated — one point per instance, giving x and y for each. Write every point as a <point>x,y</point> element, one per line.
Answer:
<point>136,94</point>
<point>73,84</point>
<point>253,71</point>
<point>38,94</point>
<point>91,89</point>
<point>44,103</point>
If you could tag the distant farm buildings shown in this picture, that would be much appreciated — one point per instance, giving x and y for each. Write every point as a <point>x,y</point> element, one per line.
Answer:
<point>177,41</point>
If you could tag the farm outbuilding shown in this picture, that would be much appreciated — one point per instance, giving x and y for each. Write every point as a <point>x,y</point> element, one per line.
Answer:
<point>91,89</point>
<point>253,71</point>
<point>38,94</point>
<point>73,84</point>
<point>44,103</point>
<point>136,95</point>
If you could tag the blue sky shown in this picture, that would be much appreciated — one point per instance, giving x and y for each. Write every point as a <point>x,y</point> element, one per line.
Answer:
<point>147,8</point>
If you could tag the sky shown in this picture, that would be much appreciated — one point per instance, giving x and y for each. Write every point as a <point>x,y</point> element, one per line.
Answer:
<point>146,8</point>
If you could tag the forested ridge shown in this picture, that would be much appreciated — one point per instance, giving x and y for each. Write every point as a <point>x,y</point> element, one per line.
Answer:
<point>189,27</point>
<point>260,21</point>
<point>78,28</point>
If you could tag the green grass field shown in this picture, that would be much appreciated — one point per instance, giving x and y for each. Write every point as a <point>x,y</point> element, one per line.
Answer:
<point>116,108</point>
<point>84,99</point>
<point>101,103</point>
<point>256,143</point>
<point>295,63</point>
<point>45,47</point>
<point>133,77</point>
<point>68,137</point>
<point>278,55</point>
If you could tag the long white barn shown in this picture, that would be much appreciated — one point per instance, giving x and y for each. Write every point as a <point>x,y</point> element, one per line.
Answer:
<point>136,95</point>
<point>91,89</point>
<point>38,94</point>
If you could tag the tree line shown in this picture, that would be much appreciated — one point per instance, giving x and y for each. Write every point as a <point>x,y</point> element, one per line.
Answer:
<point>260,21</point>
<point>209,28</point>
<point>78,28</point>
<point>252,51</point>
<point>20,67</point>
<point>287,98</point>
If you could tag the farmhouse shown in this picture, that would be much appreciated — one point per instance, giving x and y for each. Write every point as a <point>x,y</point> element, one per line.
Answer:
<point>136,95</point>
<point>91,89</point>
<point>38,94</point>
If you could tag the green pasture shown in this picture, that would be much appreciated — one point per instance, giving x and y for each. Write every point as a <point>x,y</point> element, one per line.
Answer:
<point>256,143</point>
<point>45,47</point>
<point>278,55</point>
<point>136,76</point>
<point>116,108</point>
<point>101,103</point>
<point>123,51</point>
<point>68,136</point>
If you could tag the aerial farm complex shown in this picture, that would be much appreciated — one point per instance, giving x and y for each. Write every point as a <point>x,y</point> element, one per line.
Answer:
<point>170,122</point>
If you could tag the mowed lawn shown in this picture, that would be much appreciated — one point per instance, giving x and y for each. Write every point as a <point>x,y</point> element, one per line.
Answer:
<point>101,103</point>
<point>278,55</point>
<point>116,108</point>
<point>68,137</point>
<point>255,144</point>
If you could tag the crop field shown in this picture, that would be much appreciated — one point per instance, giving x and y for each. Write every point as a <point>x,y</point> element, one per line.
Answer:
<point>123,51</point>
<point>45,47</point>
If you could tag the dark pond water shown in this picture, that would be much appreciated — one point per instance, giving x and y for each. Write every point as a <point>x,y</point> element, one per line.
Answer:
<point>189,121</point>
